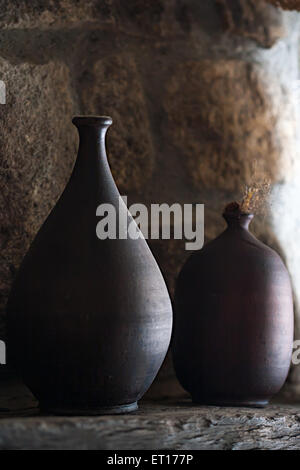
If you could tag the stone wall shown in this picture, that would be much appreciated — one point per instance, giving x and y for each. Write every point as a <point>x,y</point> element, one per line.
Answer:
<point>198,92</point>
<point>286,4</point>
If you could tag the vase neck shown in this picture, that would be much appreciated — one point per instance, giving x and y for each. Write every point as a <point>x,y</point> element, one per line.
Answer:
<point>91,172</point>
<point>92,131</point>
<point>91,158</point>
<point>239,222</point>
<point>236,218</point>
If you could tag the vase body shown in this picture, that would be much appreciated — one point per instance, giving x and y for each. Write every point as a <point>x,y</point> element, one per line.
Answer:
<point>89,319</point>
<point>233,329</point>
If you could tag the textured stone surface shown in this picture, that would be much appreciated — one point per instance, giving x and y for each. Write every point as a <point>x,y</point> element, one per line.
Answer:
<point>165,426</point>
<point>54,14</point>
<point>252,19</point>
<point>158,20</point>
<point>37,151</point>
<point>144,14</point>
<point>224,115</point>
<point>159,427</point>
<point>114,88</point>
<point>286,4</point>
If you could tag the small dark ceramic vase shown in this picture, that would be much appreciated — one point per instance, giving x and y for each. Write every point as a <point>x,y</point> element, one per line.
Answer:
<point>233,327</point>
<point>89,320</point>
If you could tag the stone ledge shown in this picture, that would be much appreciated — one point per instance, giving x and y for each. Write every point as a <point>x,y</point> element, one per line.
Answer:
<point>155,426</point>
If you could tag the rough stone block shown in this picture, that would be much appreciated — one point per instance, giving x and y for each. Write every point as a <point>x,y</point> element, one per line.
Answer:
<point>114,88</point>
<point>253,19</point>
<point>228,117</point>
<point>37,151</point>
<point>54,14</point>
<point>286,4</point>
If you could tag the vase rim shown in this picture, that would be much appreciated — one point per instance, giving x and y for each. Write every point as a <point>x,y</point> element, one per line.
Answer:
<point>91,120</point>
<point>235,211</point>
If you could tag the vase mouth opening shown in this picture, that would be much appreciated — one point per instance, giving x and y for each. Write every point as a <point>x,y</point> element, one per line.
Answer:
<point>234,210</point>
<point>91,120</point>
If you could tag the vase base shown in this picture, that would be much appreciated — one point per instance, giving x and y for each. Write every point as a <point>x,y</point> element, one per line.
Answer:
<point>103,410</point>
<point>233,403</point>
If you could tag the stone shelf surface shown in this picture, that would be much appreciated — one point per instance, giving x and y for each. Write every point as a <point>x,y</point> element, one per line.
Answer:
<point>155,426</point>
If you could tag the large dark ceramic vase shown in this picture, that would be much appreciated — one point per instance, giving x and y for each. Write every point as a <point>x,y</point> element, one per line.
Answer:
<point>89,319</point>
<point>233,327</point>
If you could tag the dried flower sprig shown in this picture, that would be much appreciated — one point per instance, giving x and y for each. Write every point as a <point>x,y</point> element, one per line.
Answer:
<point>255,196</point>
